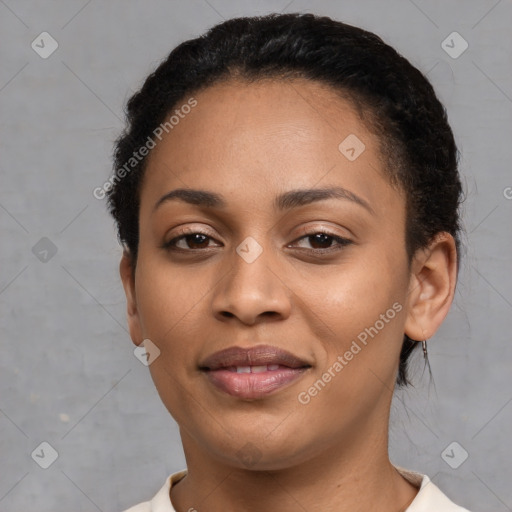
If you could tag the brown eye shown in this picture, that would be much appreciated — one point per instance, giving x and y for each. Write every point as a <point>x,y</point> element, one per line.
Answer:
<point>320,241</point>
<point>196,241</point>
<point>189,242</point>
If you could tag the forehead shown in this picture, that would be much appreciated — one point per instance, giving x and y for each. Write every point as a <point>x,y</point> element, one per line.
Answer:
<point>280,133</point>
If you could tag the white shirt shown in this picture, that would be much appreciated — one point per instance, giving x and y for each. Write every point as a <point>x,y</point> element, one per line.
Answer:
<point>429,497</point>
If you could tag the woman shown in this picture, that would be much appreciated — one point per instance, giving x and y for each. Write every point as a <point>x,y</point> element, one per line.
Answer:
<point>287,193</point>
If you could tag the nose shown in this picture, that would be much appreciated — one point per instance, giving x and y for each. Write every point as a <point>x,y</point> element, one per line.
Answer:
<point>252,292</point>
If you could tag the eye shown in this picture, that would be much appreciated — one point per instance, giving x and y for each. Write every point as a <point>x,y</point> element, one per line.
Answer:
<point>319,241</point>
<point>189,241</point>
<point>315,241</point>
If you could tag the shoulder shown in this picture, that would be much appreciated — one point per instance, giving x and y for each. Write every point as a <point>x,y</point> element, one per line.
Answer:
<point>161,502</point>
<point>429,498</point>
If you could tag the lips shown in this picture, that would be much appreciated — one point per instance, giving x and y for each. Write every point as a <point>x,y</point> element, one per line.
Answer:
<point>252,373</point>
<point>261,355</point>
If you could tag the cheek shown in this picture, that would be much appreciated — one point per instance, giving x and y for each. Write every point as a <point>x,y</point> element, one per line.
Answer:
<point>164,295</point>
<point>361,348</point>
<point>354,295</point>
<point>168,302</point>
<point>361,310</point>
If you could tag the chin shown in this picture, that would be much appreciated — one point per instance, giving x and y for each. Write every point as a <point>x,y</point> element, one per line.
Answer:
<point>257,451</point>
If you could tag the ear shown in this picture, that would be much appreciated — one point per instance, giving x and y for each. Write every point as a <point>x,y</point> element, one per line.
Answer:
<point>127,272</point>
<point>431,287</point>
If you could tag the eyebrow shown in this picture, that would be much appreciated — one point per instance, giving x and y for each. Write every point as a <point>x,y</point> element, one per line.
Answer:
<point>285,201</point>
<point>296,198</point>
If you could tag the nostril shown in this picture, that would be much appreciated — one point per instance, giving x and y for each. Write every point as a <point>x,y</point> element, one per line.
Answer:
<point>270,314</point>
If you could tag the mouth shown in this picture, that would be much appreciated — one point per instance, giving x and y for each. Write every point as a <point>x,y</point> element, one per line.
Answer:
<point>252,373</point>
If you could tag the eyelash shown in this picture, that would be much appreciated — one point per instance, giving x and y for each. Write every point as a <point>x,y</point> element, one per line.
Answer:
<point>341,242</point>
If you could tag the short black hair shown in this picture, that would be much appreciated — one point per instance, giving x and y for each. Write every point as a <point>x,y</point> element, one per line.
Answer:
<point>394,97</point>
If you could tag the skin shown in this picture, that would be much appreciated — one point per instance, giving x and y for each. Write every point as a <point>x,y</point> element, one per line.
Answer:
<point>251,143</point>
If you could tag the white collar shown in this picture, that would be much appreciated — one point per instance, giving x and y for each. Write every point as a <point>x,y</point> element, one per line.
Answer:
<point>429,498</point>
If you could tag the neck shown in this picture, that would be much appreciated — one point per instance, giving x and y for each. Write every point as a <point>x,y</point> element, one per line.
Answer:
<point>352,476</point>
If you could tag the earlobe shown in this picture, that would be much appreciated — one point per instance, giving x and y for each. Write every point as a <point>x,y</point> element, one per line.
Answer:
<point>127,274</point>
<point>431,287</point>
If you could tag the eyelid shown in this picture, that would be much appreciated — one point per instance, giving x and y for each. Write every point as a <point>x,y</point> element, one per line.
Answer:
<point>185,231</point>
<point>305,232</point>
<point>190,230</point>
<point>313,230</point>
<point>340,242</point>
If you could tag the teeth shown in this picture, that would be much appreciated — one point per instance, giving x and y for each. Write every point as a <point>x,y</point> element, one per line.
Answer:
<point>254,369</point>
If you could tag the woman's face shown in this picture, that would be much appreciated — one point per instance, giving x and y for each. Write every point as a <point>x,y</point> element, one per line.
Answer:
<point>295,243</point>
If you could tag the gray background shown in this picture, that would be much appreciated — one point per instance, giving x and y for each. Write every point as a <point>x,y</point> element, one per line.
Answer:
<point>68,374</point>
